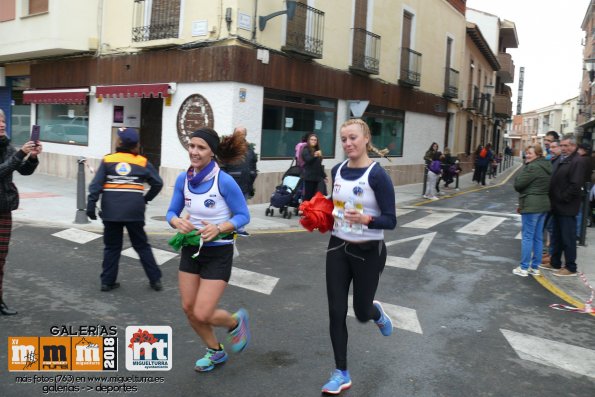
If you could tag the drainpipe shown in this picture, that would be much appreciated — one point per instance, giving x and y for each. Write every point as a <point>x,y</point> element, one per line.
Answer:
<point>255,22</point>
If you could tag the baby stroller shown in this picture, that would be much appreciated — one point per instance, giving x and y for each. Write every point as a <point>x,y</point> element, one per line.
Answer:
<point>287,194</point>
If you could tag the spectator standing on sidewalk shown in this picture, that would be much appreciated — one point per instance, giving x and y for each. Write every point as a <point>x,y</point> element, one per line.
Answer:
<point>565,196</point>
<point>584,151</point>
<point>216,209</point>
<point>244,172</point>
<point>434,172</point>
<point>364,205</point>
<point>532,184</point>
<point>24,161</point>
<point>550,136</point>
<point>555,152</point>
<point>119,181</point>
<point>476,170</point>
<point>313,168</point>
<point>485,159</point>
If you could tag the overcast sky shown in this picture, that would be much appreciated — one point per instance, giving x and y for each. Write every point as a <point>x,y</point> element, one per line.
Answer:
<point>549,33</point>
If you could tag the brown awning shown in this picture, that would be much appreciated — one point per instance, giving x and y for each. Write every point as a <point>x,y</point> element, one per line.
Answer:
<point>74,96</point>
<point>133,91</point>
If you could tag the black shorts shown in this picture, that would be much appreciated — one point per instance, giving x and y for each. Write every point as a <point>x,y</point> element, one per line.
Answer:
<point>213,263</point>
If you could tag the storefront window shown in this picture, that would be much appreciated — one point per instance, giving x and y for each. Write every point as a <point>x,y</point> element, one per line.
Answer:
<point>286,118</point>
<point>387,128</point>
<point>64,123</point>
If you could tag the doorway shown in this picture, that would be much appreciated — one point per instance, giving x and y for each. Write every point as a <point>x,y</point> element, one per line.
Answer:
<point>151,110</point>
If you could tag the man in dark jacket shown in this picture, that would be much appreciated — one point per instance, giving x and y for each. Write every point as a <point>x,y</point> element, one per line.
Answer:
<point>120,182</point>
<point>565,196</point>
<point>244,172</point>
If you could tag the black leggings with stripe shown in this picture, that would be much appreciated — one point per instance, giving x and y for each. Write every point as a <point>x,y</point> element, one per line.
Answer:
<point>346,262</point>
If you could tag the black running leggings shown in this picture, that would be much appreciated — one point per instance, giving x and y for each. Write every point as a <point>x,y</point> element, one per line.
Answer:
<point>363,263</point>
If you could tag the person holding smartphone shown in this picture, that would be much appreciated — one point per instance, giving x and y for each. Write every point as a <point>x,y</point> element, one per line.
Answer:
<point>24,161</point>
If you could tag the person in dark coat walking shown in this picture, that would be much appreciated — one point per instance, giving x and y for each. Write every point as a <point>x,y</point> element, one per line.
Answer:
<point>24,161</point>
<point>120,181</point>
<point>313,169</point>
<point>565,196</point>
<point>243,172</point>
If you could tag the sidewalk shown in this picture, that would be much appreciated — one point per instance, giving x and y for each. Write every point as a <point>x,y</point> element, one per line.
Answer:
<point>51,201</point>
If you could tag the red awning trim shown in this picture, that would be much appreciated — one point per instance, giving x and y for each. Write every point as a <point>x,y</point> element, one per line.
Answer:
<point>162,90</point>
<point>75,96</point>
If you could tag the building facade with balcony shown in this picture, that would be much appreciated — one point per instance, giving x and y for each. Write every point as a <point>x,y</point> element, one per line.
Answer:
<point>586,101</point>
<point>570,110</point>
<point>500,35</point>
<point>280,68</point>
<point>476,116</point>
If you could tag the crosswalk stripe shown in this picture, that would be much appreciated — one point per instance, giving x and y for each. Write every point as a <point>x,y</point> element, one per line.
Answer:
<point>414,260</point>
<point>253,281</point>
<point>76,235</point>
<point>519,236</point>
<point>482,225</point>
<point>467,211</point>
<point>402,317</point>
<point>402,211</point>
<point>552,353</point>
<point>161,256</point>
<point>431,220</point>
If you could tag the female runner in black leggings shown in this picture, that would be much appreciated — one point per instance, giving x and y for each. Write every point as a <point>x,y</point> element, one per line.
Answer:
<point>364,205</point>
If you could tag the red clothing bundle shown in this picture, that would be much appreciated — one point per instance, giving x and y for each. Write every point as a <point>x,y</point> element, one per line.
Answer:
<point>317,214</point>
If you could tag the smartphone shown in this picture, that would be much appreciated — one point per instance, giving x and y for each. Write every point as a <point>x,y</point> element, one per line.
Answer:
<point>34,133</point>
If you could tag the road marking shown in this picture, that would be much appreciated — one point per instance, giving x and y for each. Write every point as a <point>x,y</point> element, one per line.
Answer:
<point>402,317</point>
<point>431,220</point>
<point>512,215</point>
<point>482,225</point>
<point>161,256</point>
<point>402,211</point>
<point>552,353</point>
<point>414,260</point>
<point>519,236</point>
<point>253,281</point>
<point>77,235</point>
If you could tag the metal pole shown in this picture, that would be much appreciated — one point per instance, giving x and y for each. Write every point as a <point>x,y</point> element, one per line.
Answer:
<point>586,213</point>
<point>81,213</point>
<point>457,182</point>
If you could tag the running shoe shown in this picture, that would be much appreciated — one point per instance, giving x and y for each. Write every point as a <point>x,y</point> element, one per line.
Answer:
<point>520,272</point>
<point>337,382</point>
<point>535,272</point>
<point>384,323</point>
<point>239,337</point>
<point>212,358</point>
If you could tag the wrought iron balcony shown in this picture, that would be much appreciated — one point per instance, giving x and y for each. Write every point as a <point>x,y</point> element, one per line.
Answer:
<point>164,21</point>
<point>305,32</point>
<point>474,98</point>
<point>366,52</point>
<point>451,83</point>
<point>410,67</point>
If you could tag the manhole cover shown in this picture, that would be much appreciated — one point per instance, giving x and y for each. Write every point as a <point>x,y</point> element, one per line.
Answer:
<point>158,218</point>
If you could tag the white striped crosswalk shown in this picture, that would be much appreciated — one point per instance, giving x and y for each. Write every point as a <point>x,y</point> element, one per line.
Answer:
<point>431,220</point>
<point>482,225</point>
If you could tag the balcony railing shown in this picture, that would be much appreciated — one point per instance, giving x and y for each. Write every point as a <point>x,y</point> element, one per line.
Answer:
<point>451,83</point>
<point>410,67</point>
<point>506,72</point>
<point>305,32</point>
<point>366,52</point>
<point>155,20</point>
<point>503,105</point>
<point>474,98</point>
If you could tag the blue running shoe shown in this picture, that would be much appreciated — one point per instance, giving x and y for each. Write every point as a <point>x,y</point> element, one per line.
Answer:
<point>239,337</point>
<point>337,382</point>
<point>212,358</point>
<point>384,323</point>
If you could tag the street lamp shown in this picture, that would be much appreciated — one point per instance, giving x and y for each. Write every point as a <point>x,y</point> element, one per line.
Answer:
<point>590,68</point>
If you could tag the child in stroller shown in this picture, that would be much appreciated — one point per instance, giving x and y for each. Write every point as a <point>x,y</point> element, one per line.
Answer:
<point>287,194</point>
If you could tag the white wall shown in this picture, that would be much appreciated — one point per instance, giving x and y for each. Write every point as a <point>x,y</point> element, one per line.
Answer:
<point>488,24</point>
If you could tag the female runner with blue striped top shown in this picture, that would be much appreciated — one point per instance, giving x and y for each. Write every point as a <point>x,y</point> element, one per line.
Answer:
<point>215,207</point>
<point>364,205</point>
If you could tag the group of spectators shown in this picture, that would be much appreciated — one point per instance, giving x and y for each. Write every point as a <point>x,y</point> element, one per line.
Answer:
<point>552,186</point>
<point>440,166</point>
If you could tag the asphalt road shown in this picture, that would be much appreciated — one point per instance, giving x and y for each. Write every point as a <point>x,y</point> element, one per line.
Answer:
<point>458,299</point>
